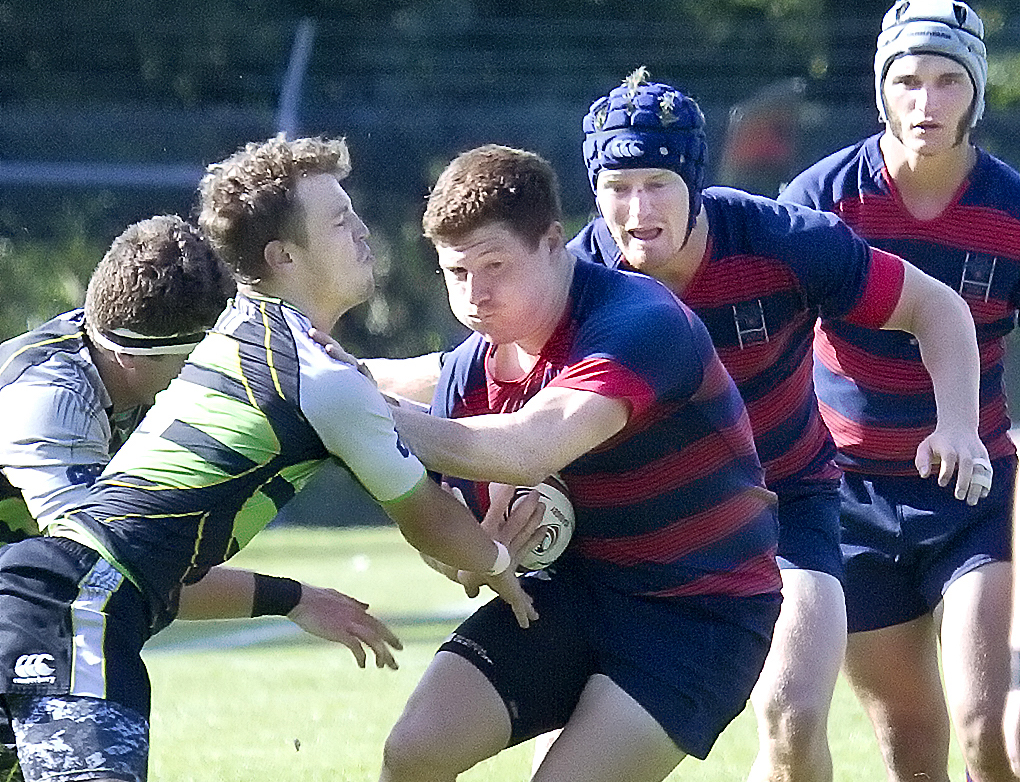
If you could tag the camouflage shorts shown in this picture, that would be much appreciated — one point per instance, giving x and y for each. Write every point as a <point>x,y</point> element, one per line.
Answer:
<point>66,738</point>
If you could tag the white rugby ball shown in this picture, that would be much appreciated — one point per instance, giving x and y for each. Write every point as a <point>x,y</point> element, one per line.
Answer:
<point>557,525</point>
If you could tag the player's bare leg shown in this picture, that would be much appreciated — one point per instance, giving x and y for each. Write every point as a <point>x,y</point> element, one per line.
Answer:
<point>609,737</point>
<point>792,697</point>
<point>453,720</point>
<point>975,661</point>
<point>895,674</point>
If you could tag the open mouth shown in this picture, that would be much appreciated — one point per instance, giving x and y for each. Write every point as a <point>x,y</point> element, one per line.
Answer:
<point>645,234</point>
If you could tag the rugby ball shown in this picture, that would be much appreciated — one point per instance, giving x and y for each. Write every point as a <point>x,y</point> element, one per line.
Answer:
<point>557,525</point>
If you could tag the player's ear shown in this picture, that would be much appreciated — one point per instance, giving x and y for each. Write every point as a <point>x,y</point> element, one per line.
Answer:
<point>124,360</point>
<point>555,237</point>
<point>276,255</point>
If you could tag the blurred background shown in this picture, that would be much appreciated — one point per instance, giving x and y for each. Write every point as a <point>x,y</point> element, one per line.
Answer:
<point>109,111</point>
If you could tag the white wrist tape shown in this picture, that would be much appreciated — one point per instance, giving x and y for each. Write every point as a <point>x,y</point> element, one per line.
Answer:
<point>502,559</point>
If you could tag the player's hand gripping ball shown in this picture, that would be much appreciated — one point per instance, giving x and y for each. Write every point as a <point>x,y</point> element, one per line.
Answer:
<point>557,525</point>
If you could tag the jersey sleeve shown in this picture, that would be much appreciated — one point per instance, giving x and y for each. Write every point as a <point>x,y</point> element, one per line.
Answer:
<point>354,422</point>
<point>54,449</point>
<point>639,348</point>
<point>881,293</point>
<point>804,190</point>
<point>608,378</point>
<point>830,261</point>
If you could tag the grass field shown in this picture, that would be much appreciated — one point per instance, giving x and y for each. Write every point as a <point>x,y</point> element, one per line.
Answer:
<point>246,700</point>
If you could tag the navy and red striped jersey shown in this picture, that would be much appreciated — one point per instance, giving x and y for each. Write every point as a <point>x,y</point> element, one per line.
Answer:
<point>674,504</point>
<point>875,394</point>
<point>769,272</point>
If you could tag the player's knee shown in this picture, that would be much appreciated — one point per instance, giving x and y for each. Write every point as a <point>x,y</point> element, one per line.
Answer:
<point>792,716</point>
<point>983,747</point>
<point>410,753</point>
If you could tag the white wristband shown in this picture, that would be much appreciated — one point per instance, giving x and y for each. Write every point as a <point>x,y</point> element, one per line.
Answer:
<point>502,559</point>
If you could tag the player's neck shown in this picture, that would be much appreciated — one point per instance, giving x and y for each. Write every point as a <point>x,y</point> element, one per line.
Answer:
<point>115,378</point>
<point>515,359</point>
<point>927,184</point>
<point>678,273</point>
<point>323,316</point>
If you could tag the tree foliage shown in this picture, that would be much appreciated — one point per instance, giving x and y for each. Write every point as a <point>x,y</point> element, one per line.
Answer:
<point>410,82</point>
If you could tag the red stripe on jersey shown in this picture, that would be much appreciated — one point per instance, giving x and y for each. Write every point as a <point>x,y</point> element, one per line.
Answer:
<point>607,378</point>
<point>675,541</point>
<point>811,441</point>
<point>975,228</point>
<point>673,471</point>
<point>748,361</point>
<point>873,442</point>
<point>882,292</point>
<point>737,277</point>
<point>888,375</point>
<point>774,408</point>
<point>753,577</point>
<point>992,353</point>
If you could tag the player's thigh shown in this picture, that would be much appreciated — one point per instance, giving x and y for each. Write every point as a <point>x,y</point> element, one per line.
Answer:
<point>609,737</point>
<point>523,682</point>
<point>808,644</point>
<point>895,671</point>
<point>454,710</point>
<point>690,663</point>
<point>974,634</point>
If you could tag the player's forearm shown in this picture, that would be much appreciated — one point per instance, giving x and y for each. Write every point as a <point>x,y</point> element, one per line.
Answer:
<point>410,378</point>
<point>948,344</point>
<point>443,529</point>
<point>942,323</point>
<point>232,593</point>
<point>223,593</point>
<point>1014,628</point>
<point>482,448</point>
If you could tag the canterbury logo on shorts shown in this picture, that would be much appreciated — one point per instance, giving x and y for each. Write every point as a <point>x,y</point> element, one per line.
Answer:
<point>34,669</point>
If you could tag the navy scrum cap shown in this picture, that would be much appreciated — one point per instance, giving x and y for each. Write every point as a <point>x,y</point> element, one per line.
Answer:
<point>641,124</point>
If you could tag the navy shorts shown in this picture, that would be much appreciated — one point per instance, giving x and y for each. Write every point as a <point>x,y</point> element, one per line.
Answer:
<point>691,663</point>
<point>906,539</point>
<point>809,528</point>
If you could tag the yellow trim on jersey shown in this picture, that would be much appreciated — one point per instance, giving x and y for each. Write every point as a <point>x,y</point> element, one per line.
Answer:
<point>34,345</point>
<point>269,350</point>
<point>66,528</point>
<point>409,492</point>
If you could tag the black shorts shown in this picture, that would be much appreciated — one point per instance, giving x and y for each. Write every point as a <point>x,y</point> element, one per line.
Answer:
<point>906,539</point>
<point>691,662</point>
<point>70,624</point>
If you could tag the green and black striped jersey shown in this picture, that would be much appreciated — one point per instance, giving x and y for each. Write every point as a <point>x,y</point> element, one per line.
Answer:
<point>255,412</point>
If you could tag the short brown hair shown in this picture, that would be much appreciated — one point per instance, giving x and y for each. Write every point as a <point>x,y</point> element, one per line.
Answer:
<point>159,277</point>
<point>494,184</point>
<point>247,200</point>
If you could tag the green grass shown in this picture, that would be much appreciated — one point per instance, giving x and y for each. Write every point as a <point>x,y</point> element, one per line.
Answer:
<point>288,707</point>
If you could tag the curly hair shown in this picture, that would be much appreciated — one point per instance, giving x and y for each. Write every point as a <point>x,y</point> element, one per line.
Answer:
<point>247,200</point>
<point>159,277</point>
<point>489,184</point>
